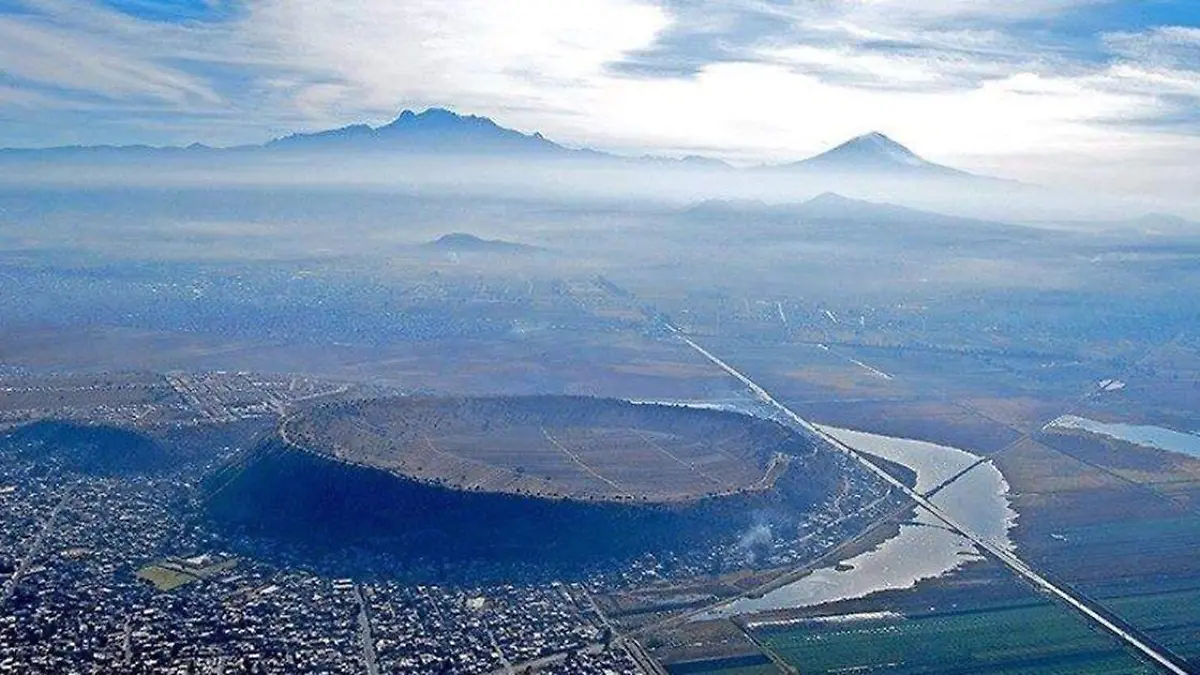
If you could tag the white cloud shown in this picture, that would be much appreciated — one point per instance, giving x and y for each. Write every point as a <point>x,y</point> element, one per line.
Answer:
<point>875,69</point>
<point>920,10</point>
<point>546,66</point>
<point>23,98</point>
<point>51,55</point>
<point>475,54</point>
<point>765,111</point>
<point>1176,46</point>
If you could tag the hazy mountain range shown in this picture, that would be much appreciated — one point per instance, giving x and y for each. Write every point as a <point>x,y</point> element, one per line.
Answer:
<point>443,151</point>
<point>435,130</point>
<point>831,216</point>
<point>438,131</point>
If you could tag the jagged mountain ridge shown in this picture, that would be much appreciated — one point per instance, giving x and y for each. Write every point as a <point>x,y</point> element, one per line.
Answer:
<point>433,130</point>
<point>439,131</point>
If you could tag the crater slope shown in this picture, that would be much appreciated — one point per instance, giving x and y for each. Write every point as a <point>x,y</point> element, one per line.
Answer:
<point>551,483</point>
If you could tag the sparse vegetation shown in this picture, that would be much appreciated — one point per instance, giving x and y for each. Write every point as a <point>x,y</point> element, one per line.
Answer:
<point>562,447</point>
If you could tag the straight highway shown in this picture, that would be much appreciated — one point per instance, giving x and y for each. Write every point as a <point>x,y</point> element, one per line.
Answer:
<point>997,551</point>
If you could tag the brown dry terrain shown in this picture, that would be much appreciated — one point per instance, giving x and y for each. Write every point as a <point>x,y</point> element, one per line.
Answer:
<point>561,447</point>
<point>612,363</point>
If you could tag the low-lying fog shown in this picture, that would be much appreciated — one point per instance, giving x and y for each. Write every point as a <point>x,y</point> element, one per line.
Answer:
<point>588,180</point>
<point>179,243</point>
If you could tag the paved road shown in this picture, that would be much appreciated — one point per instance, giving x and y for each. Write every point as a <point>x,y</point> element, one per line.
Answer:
<point>999,552</point>
<point>35,549</point>
<point>127,641</point>
<point>366,640</point>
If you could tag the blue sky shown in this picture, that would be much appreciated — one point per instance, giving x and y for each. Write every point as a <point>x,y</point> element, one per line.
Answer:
<point>1034,89</point>
<point>176,11</point>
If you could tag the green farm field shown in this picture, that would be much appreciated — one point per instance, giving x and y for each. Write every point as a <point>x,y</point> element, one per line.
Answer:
<point>1171,617</point>
<point>767,669</point>
<point>743,665</point>
<point>1036,637</point>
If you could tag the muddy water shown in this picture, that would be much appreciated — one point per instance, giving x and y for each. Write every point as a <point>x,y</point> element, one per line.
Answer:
<point>922,549</point>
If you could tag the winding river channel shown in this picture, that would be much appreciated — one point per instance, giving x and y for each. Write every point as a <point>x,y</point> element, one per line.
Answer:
<point>973,491</point>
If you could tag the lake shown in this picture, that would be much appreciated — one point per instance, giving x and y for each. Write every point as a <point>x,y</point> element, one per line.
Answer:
<point>1138,434</point>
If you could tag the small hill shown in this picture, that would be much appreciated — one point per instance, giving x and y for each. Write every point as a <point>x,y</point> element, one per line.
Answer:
<point>835,218</point>
<point>83,448</point>
<point>831,206</point>
<point>462,242</point>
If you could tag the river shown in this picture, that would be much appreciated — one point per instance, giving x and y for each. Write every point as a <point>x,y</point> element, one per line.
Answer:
<point>923,548</point>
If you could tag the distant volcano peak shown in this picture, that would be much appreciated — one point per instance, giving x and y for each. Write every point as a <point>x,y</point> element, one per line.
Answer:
<point>875,137</point>
<point>878,154</point>
<point>873,147</point>
<point>832,198</point>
